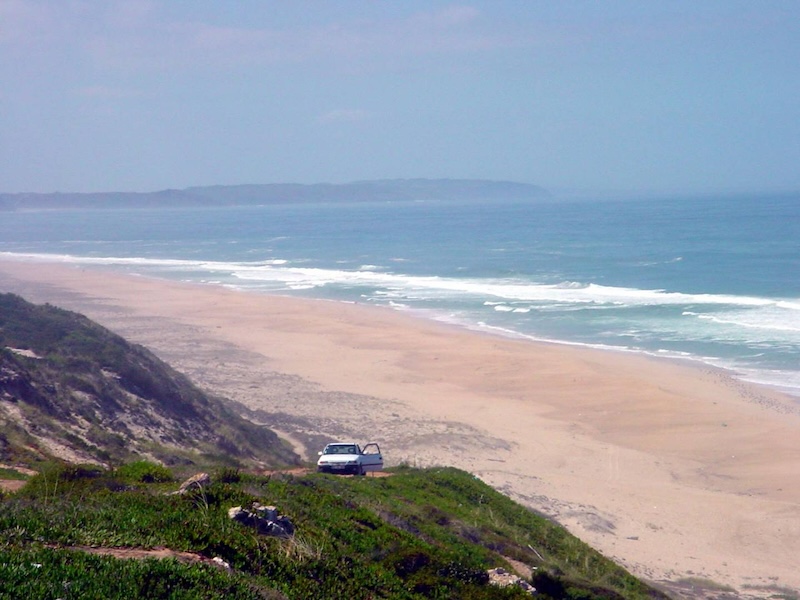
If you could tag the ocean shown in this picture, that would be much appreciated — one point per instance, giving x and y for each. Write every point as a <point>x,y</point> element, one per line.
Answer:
<point>712,280</point>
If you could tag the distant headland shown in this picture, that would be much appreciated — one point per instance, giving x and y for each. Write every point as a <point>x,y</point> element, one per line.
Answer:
<point>385,190</point>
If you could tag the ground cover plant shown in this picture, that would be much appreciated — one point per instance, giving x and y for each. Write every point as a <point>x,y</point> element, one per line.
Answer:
<point>429,533</point>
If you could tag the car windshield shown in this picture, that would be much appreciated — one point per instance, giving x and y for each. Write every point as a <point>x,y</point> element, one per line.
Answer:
<point>340,449</point>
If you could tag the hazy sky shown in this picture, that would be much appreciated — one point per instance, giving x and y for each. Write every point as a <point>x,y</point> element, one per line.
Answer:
<point>102,95</point>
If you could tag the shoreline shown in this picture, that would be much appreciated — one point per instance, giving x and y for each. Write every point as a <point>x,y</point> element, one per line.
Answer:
<point>677,471</point>
<point>792,393</point>
<point>680,358</point>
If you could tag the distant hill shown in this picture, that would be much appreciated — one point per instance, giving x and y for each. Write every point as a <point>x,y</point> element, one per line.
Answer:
<point>73,390</point>
<point>389,190</point>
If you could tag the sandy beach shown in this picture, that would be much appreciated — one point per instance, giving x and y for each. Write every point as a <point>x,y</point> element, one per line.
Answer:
<point>677,471</point>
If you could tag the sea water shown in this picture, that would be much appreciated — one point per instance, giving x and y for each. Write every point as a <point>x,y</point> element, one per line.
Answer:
<point>716,280</point>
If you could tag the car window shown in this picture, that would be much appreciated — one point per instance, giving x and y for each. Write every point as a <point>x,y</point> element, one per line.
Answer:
<point>340,450</point>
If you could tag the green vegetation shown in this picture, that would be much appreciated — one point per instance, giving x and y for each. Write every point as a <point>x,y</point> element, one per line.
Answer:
<point>416,534</point>
<point>143,471</point>
<point>12,474</point>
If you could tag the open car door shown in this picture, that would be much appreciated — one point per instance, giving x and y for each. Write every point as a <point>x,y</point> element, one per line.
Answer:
<point>372,457</point>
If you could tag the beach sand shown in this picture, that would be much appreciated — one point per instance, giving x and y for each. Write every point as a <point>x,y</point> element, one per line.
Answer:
<point>679,472</point>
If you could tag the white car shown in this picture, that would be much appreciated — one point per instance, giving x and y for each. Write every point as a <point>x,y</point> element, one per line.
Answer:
<point>350,458</point>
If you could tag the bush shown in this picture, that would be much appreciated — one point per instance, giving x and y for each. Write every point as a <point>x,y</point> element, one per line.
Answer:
<point>143,471</point>
<point>49,573</point>
<point>227,475</point>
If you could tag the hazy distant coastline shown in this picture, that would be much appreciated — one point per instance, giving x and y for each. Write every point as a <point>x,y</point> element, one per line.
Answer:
<point>388,190</point>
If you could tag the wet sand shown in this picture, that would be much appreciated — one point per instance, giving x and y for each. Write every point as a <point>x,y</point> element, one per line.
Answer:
<point>677,471</point>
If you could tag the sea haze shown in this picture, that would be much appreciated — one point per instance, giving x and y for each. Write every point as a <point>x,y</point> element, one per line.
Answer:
<point>715,280</point>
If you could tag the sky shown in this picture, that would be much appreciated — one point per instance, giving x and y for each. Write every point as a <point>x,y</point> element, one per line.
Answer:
<point>614,96</point>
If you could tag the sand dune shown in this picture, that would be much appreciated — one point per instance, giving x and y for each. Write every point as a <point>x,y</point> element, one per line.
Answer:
<point>675,470</point>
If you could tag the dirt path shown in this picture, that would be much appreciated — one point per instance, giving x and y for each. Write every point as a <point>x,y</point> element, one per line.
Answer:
<point>143,553</point>
<point>12,485</point>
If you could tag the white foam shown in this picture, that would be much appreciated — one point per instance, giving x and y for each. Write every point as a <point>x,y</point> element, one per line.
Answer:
<point>766,319</point>
<point>509,290</point>
<point>200,265</point>
<point>433,287</point>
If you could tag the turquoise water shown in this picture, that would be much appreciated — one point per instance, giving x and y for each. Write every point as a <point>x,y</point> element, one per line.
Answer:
<point>714,280</point>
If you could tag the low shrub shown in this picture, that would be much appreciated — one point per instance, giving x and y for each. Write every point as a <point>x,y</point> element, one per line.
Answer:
<point>143,471</point>
<point>50,573</point>
<point>227,475</point>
